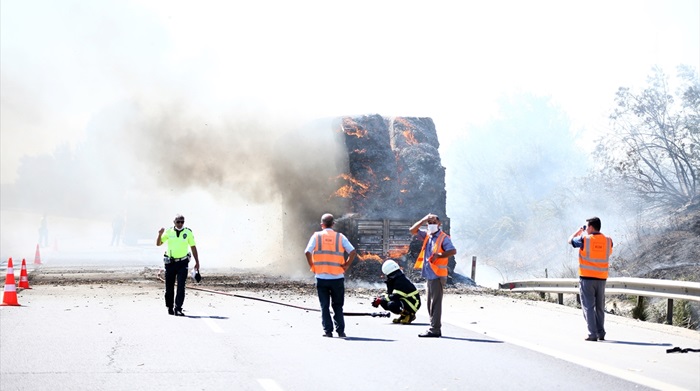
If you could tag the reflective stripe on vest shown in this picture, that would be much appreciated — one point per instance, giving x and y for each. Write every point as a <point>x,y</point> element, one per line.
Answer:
<point>410,299</point>
<point>328,256</point>
<point>439,266</point>
<point>593,257</point>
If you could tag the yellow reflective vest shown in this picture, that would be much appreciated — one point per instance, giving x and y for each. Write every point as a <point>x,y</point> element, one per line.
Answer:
<point>178,244</point>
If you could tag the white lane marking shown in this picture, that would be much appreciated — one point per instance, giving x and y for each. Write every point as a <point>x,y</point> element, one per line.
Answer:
<point>269,385</point>
<point>212,325</point>
<point>619,373</point>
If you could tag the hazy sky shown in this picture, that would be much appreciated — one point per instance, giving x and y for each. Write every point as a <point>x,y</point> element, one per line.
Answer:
<point>64,61</point>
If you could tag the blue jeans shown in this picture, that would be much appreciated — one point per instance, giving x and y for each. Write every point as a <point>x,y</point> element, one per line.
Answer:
<point>593,305</point>
<point>331,293</point>
<point>173,271</point>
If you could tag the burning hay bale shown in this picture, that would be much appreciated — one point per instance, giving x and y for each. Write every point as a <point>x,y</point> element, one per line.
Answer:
<point>424,178</point>
<point>372,165</point>
<point>395,170</point>
<point>394,176</point>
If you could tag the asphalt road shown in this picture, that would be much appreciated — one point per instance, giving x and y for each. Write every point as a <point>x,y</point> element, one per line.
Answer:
<point>120,337</point>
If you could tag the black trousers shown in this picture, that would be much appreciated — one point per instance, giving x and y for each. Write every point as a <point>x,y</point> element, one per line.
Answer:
<point>175,271</point>
<point>331,293</point>
<point>395,306</point>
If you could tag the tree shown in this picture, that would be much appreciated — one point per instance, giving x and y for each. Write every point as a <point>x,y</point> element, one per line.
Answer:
<point>654,146</point>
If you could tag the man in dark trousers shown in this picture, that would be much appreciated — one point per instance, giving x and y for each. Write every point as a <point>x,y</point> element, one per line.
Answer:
<point>325,254</point>
<point>401,295</point>
<point>593,261</point>
<point>177,258</point>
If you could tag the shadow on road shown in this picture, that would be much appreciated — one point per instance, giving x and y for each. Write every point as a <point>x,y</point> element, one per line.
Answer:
<point>472,339</point>
<point>368,339</point>
<point>635,343</point>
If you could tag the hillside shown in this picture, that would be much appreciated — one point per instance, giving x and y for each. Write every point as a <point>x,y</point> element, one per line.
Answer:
<point>672,253</point>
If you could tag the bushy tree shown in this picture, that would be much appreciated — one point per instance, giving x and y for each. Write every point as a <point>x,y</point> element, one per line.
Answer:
<point>654,143</point>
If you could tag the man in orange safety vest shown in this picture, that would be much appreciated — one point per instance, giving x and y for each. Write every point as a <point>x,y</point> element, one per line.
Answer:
<point>593,263</point>
<point>325,254</point>
<point>432,261</point>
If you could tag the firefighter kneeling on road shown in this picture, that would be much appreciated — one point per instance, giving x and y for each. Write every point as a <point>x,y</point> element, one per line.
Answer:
<point>402,296</point>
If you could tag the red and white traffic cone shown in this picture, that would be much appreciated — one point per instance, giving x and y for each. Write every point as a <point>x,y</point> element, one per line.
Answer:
<point>37,256</point>
<point>23,277</point>
<point>10,295</point>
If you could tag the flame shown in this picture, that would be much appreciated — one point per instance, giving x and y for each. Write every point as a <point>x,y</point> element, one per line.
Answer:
<point>344,192</point>
<point>386,178</point>
<point>408,130</point>
<point>352,129</point>
<point>410,138</point>
<point>360,150</point>
<point>352,188</point>
<point>404,190</point>
<point>369,257</point>
<point>399,252</point>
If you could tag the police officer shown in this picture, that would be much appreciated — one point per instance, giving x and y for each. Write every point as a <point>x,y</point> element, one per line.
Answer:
<point>179,239</point>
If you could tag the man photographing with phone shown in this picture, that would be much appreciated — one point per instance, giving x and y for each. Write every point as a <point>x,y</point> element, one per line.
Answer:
<point>593,262</point>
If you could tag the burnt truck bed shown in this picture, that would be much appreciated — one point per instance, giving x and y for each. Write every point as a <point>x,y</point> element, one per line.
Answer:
<point>385,238</point>
<point>378,240</point>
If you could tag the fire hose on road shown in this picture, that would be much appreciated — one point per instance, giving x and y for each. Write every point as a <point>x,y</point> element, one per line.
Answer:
<point>372,314</point>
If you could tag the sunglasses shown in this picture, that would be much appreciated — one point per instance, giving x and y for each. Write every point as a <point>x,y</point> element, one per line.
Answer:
<point>179,221</point>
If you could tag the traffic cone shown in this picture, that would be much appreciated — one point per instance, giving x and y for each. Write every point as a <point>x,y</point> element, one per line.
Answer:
<point>23,278</point>
<point>10,295</point>
<point>37,256</point>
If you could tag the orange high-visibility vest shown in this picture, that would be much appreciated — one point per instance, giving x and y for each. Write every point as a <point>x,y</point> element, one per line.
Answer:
<point>439,266</point>
<point>593,257</point>
<point>329,253</point>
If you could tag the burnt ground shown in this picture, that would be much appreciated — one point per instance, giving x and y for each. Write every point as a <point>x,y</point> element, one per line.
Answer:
<point>224,281</point>
<point>669,253</point>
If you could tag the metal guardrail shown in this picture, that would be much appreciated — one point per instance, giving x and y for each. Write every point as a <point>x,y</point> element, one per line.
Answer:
<point>641,287</point>
<point>684,290</point>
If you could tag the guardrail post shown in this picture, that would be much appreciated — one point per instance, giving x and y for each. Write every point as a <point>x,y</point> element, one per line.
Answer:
<point>635,287</point>
<point>546,275</point>
<point>474,268</point>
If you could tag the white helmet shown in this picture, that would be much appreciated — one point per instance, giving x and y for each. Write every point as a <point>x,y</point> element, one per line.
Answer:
<point>389,266</point>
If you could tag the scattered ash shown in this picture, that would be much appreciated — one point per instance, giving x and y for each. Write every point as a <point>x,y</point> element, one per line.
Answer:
<point>367,280</point>
<point>368,271</point>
